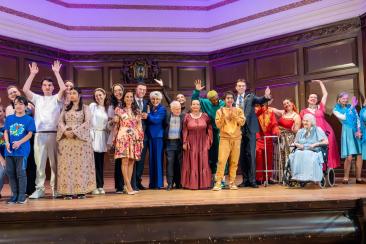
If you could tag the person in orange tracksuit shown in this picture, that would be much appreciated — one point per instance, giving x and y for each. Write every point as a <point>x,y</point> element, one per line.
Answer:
<point>267,127</point>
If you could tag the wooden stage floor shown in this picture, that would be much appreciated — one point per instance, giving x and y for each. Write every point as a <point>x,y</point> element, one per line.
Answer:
<point>273,214</point>
<point>183,197</point>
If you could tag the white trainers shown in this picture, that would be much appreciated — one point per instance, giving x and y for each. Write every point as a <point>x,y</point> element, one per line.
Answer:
<point>39,193</point>
<point>101,191</point>
<point>96,192</point>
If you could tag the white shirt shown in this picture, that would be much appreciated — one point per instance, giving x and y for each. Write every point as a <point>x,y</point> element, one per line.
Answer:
<point>47,112</point>
<point>140,103</point>
<point>98,128</point>
<point>238,99</point>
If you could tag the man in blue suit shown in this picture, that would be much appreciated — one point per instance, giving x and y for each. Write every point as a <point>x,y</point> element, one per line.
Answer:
<point>247,101</point>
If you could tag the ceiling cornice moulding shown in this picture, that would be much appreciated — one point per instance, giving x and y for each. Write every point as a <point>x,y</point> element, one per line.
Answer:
<point>142,6</point>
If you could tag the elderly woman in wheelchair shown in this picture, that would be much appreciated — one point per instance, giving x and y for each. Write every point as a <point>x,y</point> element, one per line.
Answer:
<point>306,161</point>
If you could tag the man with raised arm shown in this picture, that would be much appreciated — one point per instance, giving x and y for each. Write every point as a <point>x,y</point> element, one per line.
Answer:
<point>47,112</point>
<point>247,101</point>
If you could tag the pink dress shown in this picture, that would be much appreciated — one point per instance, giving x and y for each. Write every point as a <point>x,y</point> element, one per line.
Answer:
<point>333,153</point>
<point>197,134</point>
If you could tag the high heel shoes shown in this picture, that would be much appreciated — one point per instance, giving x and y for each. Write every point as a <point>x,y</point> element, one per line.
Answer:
<point>128,192</point>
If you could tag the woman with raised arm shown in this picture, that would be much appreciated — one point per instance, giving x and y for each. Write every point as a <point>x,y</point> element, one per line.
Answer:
<point>317,109</point>
<point>289,123</point>
<point>351,135</point>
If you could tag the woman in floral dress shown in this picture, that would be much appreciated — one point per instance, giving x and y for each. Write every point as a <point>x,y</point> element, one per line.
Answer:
<point>75,169</point>
<point>129,137</point>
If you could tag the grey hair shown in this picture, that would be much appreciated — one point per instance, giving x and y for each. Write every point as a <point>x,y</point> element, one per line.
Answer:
<point>310,118</point>
<point>174,104</point>
<point>156,94</point>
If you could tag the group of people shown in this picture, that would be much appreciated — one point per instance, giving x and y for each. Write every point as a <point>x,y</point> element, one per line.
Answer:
<point>202,143</point>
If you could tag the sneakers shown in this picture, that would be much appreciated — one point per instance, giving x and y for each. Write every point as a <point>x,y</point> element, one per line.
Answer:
<point>96,192</point>
<point>217,187</point>
<point>232,186</point>
<point>22,201</point>
<point>37,194</point>
<point>12,200</point>
<point>101,191</point>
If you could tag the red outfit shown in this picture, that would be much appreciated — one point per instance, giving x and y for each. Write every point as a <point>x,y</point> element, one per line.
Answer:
<point>197,134</point>
<point>286,123</point>
<point>267,127</point>
<point>333,153</point>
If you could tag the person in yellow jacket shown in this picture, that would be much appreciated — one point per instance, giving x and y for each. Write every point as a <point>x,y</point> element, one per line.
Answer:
<point>229,120</point>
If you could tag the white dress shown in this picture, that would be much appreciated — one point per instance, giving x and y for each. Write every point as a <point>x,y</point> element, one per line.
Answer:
<point>98,130</point>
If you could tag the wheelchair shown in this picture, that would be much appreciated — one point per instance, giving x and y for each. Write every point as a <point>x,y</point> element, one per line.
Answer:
<point>328,179</point>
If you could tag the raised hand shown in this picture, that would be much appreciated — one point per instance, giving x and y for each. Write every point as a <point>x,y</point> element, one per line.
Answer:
<point>33,68</point>
<point>160,82</point>
<point>56,67</point>
<point>198,84</point>
<point>316,81</point>
<point>354,101</point>
<point>267,92</point>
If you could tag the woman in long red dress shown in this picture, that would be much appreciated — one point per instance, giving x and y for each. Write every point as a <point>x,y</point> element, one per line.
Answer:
<point>289,123</point>
<point>318,111</point>
<point>197,140</point>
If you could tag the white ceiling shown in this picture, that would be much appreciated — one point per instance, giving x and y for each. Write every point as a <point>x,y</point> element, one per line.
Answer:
<point>164,25</point>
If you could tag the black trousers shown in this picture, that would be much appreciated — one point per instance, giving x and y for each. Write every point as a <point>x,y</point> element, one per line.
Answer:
<point>247,156</point>
<point>99,168</point>
<point>139,165</point>
<point>174,161</point>
<point>31,170</point>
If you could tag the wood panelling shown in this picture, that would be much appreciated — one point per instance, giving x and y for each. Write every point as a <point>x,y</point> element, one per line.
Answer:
<point>276,66</point>
<point>281,92</point>
<point>228,73</point>
<point>187,75</point>
<point>166,74</point>
<point>285,63</point>
<point>8,68</point>
<point>331,56</point>
<point>88,76</point>
<point>115,75</point>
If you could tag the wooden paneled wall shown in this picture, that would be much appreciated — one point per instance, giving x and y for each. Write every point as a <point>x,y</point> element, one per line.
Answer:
<point>333,53</point>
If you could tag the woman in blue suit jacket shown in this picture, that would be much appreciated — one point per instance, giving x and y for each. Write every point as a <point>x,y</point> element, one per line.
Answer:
<point>155,121</point>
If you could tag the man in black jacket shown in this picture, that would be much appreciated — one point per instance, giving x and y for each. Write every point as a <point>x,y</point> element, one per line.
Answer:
<point>139,165</point>
<point>247,101</point>
<point>173,144</point>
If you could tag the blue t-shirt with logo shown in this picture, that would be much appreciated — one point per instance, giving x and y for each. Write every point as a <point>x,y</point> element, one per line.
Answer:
<point>18,128</point>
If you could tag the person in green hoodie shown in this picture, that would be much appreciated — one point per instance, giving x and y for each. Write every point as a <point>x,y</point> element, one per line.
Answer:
<point>209,106</point>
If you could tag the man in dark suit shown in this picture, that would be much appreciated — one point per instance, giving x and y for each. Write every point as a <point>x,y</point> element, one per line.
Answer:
<point>139,165</point>
<point>247,101</point>
<point>173,144</point>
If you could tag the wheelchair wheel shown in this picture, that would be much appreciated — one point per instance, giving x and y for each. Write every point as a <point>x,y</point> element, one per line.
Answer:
<point>330,177</point>
<point>292,184</point>
<point>322,183</point>
<point>287,177</point>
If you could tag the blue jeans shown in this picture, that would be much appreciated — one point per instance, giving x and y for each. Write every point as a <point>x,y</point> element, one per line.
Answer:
<point>2,174</point>
<point>16,170</point>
